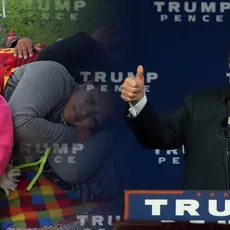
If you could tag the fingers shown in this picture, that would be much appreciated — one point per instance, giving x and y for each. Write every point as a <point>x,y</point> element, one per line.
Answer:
<point>134,99</point>
<point>17,53</point>
<point>126,99</point>
<point>13,173</point>
<point>131,82</point>
<point>30,49</point>
<point>21,51</point>
<point>8,181</point>
<point>25,51</point>
<point>132,89</point>
<point>24,48</point>
<point>8,185</point>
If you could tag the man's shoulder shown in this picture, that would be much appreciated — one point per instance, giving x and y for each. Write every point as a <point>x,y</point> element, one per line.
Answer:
<point>204,94</point>
<point>204,98</point>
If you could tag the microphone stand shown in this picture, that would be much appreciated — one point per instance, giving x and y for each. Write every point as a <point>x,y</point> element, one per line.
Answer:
<point>226,130</point>
<point>225,137</point>
<point>228,143</point>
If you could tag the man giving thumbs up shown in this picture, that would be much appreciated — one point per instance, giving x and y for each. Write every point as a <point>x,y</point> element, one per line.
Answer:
<point>133,92</point>
<point>197,125</point>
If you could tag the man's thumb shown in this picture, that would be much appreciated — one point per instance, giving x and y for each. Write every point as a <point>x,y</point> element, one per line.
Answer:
<point>140,73</point>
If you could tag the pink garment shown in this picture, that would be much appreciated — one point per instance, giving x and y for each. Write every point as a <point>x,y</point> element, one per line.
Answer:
<point>6,134</point>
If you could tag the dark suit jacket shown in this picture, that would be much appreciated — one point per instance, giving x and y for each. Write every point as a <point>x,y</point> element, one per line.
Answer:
<point>195,126</point>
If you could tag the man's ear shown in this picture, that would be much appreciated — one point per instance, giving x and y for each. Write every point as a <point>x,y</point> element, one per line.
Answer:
<point>84,85</point>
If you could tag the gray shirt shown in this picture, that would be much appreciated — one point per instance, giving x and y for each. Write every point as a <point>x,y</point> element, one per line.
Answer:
<point>40,91</point>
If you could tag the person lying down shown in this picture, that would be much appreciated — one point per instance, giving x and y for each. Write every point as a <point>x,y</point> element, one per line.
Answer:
<point>45,97</point>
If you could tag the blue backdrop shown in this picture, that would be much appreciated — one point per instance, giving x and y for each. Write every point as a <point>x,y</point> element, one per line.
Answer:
<point>188,56</point>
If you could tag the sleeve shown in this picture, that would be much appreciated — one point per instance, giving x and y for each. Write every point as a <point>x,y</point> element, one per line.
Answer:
<point>73,49</point>
<point>86,161</point>
<point>44,87</point>
<point>157,132</point>
<point>134,110</point>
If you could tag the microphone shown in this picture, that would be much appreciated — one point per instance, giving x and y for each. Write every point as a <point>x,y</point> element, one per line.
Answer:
<point>225,125</point>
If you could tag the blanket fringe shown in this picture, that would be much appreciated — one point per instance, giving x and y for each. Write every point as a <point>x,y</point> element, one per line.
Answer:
<point>8,180</point>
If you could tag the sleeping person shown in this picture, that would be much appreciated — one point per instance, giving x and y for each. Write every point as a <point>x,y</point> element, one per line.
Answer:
<point>106,181</point>
<point>38,107</point>
<point>93,172</point>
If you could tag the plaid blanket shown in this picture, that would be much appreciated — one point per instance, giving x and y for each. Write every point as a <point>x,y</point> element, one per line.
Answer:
<point>45,205</point>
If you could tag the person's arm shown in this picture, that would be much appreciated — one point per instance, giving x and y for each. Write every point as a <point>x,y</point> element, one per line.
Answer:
<point>44,86</point>
<point>84,163</point>
<point>157,132</point>
<point>74,49</point>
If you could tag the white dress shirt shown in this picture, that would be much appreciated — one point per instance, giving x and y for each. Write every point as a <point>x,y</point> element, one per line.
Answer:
<point>134,110</point>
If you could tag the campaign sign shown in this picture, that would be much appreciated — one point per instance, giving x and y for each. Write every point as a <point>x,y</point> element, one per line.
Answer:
<point>170,206</point>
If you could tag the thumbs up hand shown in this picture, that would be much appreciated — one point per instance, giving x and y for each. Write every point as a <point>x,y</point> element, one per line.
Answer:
<point>132,89</point>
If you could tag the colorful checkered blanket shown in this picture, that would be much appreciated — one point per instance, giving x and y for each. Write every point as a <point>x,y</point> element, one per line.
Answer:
<point>45,205</point>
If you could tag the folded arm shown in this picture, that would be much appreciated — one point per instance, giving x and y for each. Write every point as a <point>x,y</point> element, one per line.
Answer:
<point>78,48</point>
<point>44,86</point>
<point>84,163</point>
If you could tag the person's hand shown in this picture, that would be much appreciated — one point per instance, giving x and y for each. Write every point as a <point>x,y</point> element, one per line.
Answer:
<point>25,48</point>
<point>133,88</point>
<point>8,180</point>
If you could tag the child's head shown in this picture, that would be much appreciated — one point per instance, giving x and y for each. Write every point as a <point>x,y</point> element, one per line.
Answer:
<point>90,108</point>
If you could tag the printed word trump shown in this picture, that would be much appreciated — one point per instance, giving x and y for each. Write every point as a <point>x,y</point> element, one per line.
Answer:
<point>115,77</point>
<point>189,207</point>
<point>193,11</point>
<point>100,222</point>
<point>172,156</point>
<point>58,8</point>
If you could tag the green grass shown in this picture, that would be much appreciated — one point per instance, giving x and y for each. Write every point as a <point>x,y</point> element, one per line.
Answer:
<point>27,19</point>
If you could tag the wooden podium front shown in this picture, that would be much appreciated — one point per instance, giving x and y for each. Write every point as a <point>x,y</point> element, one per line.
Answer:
<point>146,225</point>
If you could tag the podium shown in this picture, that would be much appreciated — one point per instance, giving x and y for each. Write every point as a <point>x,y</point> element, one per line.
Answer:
<point>145,225</point>
<point>168,207</point>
